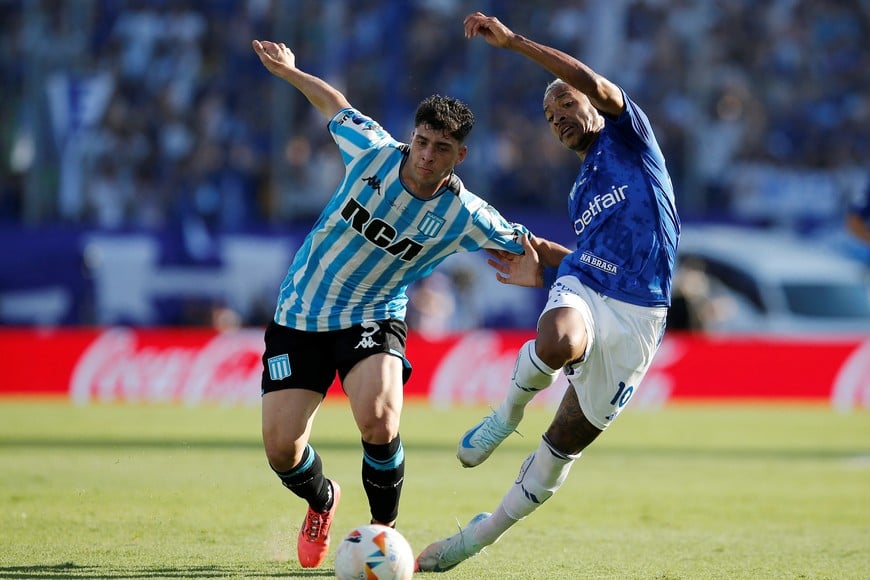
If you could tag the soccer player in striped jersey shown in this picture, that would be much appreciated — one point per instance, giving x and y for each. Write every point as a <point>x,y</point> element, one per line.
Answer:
<point>605,313</point>
<point>398,212</point>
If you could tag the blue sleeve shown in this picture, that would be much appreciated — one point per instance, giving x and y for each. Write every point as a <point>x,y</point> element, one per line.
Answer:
<point>550,275</point>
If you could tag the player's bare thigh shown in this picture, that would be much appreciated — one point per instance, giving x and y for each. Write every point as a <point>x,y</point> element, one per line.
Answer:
<point>570,432</point>
<point>288,415</point>
<point>375,390</point>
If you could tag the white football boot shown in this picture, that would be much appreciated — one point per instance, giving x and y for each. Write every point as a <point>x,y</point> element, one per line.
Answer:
<point>480,441</point>
<point>445,554</point>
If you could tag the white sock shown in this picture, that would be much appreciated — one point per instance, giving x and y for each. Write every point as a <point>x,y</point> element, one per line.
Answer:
<point>492,528</point>
<point>541,475</point>
<point>530,377</point>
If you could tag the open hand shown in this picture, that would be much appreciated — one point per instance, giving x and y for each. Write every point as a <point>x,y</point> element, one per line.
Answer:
<point>489,27</point>
<point>519,270</point>
<point>277,58</point>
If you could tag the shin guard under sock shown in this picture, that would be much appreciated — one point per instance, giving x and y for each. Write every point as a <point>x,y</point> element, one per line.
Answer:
<point>541,475</point>
<point>383,473</point>
<point>306,480</point>
<point>531,375</point>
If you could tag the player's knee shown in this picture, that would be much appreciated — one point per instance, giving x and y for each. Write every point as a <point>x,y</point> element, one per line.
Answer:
<point>561,337</point>
<point>379,430</point>
<point>558,349</point>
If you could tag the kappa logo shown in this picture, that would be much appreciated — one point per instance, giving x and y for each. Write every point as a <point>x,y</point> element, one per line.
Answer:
<point>369,330</point>
<point>374,182</point>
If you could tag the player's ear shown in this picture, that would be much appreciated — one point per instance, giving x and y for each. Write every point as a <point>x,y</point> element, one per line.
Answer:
<point>463,151</point>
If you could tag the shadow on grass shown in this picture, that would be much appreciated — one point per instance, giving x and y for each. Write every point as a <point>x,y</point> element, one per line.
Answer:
<point>352,444</point>
<point>144,443</point>
<point>71,570</point>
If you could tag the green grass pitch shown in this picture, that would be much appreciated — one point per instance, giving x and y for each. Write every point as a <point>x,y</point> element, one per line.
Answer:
<point>712,491</point>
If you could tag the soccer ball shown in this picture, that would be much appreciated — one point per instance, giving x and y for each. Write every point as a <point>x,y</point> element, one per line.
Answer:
<point>374,552</point>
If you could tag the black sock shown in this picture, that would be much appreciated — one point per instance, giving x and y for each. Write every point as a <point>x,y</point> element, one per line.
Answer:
<point>306,481</point>
<point>383,473</point>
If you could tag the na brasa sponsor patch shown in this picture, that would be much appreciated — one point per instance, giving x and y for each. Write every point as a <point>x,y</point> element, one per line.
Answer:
<point>597,262</point>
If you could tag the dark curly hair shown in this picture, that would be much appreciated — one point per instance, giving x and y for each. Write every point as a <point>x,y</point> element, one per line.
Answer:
<point>442,113</point>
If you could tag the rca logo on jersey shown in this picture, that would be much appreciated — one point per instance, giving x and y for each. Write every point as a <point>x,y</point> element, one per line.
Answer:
<point>598,204</point>
<point>379,232</point>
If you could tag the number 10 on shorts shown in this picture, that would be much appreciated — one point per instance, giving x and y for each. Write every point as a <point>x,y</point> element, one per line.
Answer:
<point>622,395</point>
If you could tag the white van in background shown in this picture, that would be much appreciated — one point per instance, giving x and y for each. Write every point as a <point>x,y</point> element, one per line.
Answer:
<point>761,281</point>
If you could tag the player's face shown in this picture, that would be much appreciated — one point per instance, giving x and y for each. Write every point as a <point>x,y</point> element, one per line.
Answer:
<point>571,116</point>
<point>433,156</point>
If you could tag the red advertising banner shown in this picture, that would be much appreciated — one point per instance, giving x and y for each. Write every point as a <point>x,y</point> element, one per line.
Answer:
<point>201,366</point>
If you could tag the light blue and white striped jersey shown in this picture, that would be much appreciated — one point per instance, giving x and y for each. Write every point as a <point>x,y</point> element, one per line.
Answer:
<point>374,237</point>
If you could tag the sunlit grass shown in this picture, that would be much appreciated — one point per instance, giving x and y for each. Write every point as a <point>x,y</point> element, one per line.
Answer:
<point>685,492</point>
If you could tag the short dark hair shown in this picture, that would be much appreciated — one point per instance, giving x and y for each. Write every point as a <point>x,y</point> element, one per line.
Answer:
<point>442,113</point>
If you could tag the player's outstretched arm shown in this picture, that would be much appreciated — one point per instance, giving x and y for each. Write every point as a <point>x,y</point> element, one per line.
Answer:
<point>605,95</point>
<point>281,62</point>
<point>527,269</point>
<point>550,253</point>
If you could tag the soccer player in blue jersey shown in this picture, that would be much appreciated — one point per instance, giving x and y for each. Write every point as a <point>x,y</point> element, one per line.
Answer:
<point>398,211</point>
<point>605,313</point>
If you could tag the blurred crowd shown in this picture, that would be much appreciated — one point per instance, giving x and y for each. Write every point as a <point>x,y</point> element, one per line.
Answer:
<point>154,114</point>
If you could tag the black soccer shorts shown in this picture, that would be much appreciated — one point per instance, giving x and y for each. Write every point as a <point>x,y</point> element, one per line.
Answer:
<point>296,359</point>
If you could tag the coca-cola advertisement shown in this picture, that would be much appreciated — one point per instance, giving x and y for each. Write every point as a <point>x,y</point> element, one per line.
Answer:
<point>203,366</point>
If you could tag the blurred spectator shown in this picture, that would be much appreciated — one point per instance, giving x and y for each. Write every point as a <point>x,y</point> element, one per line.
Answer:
<point>225,319</point>
<point>858,226</point>
<point>697,304</point>
<point>780,83</point>
<point>762,109</point>
<point>431,306</point>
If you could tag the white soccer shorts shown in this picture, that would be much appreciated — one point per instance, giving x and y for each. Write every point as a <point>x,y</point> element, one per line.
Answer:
<point>623,339</point>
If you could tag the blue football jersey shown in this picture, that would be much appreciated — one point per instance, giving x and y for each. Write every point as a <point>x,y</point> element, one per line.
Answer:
<point>374,237</point>
<point>624,215</point>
